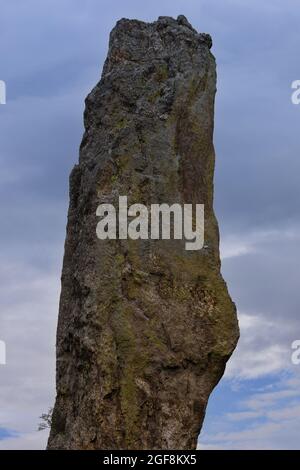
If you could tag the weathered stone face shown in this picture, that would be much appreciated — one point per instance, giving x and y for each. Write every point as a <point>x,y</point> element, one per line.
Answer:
<point>145,327</point>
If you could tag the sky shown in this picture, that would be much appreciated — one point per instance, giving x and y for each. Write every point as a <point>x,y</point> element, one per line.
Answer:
<point>51,55</point>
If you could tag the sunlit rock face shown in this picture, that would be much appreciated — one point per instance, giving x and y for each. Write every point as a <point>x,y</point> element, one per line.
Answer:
<point>145,326</point>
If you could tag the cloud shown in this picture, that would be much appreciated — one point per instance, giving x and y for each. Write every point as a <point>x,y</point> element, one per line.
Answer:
<point>28,441</point>
<point>265,420</point>
<point>233,244</point>
<point>29,305</point>
<point>261,417</point>
<point>260,350</point>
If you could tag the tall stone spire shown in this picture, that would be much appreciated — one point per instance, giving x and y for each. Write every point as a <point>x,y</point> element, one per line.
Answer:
<point>145,327</point>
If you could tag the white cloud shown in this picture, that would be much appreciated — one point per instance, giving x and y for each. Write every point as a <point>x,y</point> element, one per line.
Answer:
<point>263,421</point>
<point>29,306</point>
<point>28,441</point>
<point>259,351</point>
<point>232,245</point>
<point>243,415</point>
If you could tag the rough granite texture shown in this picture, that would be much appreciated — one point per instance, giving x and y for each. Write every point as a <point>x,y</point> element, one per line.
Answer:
<point>145,327</point>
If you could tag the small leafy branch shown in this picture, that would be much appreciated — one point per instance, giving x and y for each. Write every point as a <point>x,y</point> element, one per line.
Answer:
<point>46,419</point>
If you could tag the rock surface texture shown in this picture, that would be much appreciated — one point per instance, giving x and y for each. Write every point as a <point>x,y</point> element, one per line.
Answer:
<point>145,327</point>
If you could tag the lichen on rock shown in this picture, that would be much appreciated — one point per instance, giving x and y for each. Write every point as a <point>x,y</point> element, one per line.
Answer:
<point>145,327</point>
